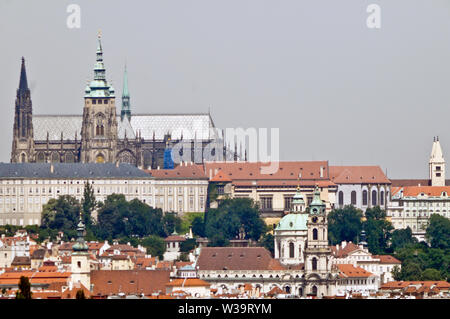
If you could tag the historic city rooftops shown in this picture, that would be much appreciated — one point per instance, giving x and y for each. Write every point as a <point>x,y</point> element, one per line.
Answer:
<point>425,191</point>
<point>287,170</point>
<point>358,175</point>
<point>183,171</point>
<point>237,258</point>
<point>111,282</point>
<point>70,171</point>
<point>350,271</point>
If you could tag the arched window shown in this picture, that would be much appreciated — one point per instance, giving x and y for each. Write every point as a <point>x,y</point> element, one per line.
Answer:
<point>126,157</point>
<point>314,263</point>
<point>314,291</point>
<point>70,158</point>
<point>100,122</point>
<point>341,198</point>
<point>291,250</point>
<point>315,234</point>
<point>299,251</point>
<point>100,158</point>
<point>55,157</point>
<point>364,199</point>
<point>374,198</point>
<point>23,158</point>
<point>382,198</point>
<point>40,157</point>
<point>353,198</point>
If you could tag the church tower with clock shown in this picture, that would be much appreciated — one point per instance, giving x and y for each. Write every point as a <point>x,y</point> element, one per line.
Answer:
<point>318,255</point>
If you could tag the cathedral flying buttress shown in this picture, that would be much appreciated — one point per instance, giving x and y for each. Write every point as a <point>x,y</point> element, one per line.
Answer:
<point>101,134</point>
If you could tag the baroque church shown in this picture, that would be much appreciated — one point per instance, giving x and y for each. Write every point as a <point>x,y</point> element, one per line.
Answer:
<point>100,135</point>
<point>301,242</point>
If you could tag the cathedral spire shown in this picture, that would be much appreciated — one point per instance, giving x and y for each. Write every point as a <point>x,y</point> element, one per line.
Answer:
<point>125,97</point>
<point>23,84</point>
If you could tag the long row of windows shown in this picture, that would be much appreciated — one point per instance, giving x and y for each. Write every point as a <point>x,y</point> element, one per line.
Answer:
<point>374,198</point>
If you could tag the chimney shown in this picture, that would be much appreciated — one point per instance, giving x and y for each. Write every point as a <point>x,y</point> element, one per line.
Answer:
<point>321,171</point>
<point>344,243</point>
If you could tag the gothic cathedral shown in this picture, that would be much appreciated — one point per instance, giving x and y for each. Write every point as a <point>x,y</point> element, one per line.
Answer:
<point>101,134</point>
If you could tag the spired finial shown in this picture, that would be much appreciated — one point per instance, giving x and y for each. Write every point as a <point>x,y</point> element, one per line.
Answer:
<point>99,33</point>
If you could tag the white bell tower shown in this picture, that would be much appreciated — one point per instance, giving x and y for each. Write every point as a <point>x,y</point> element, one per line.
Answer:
<point>437,164</point>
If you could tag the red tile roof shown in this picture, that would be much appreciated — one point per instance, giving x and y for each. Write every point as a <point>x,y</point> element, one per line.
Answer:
<point>414,191</point>
<point>387,259</point>
<point>189,171</point>
<point>350,271</point>
<point>174,238</point>
<point>113,282</point>
<point>253,170</point>
<point>343,252</point>
<point>237,258</point>
<point>188,282</point>
<point>358,175</point>
<point>220,177</point>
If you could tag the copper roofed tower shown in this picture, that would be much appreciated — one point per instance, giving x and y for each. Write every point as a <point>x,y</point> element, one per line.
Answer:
<point>99,131</point>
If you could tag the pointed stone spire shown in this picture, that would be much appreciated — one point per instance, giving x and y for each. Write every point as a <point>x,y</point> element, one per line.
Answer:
<point>125,97</point>
<point>23,84</point>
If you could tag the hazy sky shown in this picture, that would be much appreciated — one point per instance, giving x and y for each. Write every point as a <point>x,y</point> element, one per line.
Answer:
<point>337,90</point>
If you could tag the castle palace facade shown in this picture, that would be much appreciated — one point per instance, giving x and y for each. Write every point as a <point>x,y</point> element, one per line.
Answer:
<point>100,135</point>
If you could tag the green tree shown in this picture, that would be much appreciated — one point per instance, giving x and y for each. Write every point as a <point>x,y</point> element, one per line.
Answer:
<point>88,203</point>
<point>378,230</point>
<point>61,214</point>
<point>438,232</point>
<point>344,224</point>
<point>402,238</point>
<point>155,245</point>
<point>431,274</point>
<point>187,245</point>
<point>24,291</point>
<point>224,222</point>
<point>198,227</point>
<point>268,243</point>
<point>171,222</point>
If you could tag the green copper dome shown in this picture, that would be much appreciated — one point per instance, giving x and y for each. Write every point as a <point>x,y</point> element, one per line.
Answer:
<point>317,206</point>
<point>293,222</point>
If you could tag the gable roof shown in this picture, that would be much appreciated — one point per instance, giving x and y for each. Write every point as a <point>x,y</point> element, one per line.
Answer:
<point>183,171</point>
<point>340,252</point>
<point>414,191</point>
<point>113,282</point>
<point>358,175</point>
<point>237,258</point>
<point>350,271</point>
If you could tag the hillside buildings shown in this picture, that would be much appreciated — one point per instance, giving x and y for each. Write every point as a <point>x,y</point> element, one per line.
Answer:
<point>26,187</point>
<point>414,201</point>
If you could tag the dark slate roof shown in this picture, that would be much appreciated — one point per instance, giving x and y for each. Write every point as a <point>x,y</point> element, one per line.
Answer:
<point>70,170</point>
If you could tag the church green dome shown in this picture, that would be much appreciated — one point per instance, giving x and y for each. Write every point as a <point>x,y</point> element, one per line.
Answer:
<point>293,222</point>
